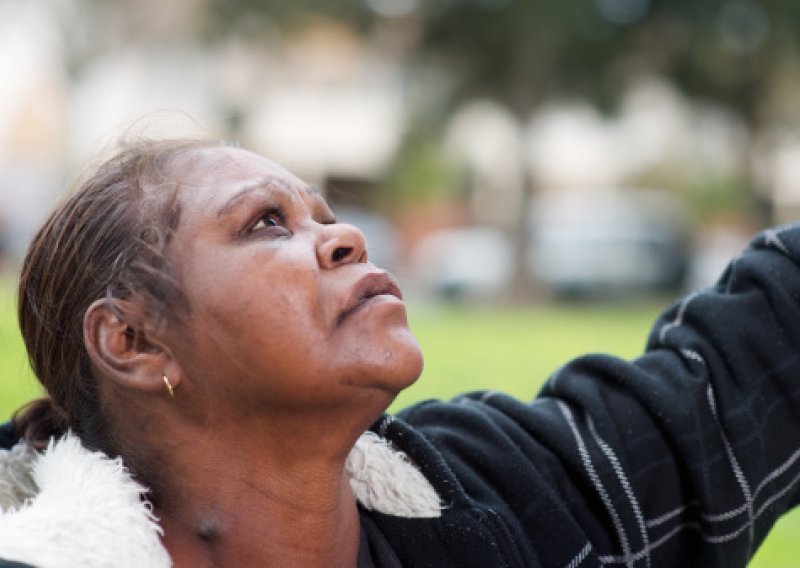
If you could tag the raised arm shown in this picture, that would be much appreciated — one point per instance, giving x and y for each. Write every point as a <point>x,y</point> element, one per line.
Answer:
<point>685,456</point>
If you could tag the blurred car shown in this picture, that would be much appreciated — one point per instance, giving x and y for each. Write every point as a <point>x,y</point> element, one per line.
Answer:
<point>610,241</point>
<point>597,243</point>
<point>468,262</point>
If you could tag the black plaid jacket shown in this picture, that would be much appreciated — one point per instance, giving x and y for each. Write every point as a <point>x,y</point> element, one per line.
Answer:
<point>685,456</point>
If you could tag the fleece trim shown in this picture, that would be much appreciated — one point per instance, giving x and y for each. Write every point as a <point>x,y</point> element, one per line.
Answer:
<point>383,479</point>
<point>88,511</point>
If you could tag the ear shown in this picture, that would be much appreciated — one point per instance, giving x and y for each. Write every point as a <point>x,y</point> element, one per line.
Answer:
<point>122,350</point>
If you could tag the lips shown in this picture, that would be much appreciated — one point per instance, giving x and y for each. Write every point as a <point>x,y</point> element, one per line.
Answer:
<point>368,288</point>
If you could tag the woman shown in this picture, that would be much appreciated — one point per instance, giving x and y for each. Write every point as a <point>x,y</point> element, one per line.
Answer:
<point>195,313</point>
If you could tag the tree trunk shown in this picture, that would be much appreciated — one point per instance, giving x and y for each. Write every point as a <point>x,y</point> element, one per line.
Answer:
<point>523,286</point>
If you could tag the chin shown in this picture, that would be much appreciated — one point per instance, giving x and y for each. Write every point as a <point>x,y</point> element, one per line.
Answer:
<point>399,367</point>
<point>410,373</point>
<point>388,362</point>
<point>400,374</point>
<point>410,361</point>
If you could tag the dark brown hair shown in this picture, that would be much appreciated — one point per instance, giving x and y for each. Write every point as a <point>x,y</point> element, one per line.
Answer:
<point>109,238</point>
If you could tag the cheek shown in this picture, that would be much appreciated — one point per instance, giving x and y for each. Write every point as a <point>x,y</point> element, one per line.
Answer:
<point>278,334</point>
<point>270,288</point>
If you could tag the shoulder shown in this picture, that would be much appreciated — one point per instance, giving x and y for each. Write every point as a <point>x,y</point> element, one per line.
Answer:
<point>498,506</point>
<point>71,506</point>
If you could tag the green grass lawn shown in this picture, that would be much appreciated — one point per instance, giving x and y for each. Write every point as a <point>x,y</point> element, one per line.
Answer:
<point>513,350</point>
<point>17,384</point>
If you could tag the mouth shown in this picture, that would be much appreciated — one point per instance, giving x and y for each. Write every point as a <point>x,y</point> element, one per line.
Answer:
<point>369,289</point>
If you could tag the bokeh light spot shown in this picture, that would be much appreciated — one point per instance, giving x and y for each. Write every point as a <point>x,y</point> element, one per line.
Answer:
<point>622,12</point>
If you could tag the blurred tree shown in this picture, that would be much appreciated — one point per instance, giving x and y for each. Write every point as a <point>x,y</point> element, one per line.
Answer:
<point>223,17</point>
<point>521,53</point>
<point>517,52</point>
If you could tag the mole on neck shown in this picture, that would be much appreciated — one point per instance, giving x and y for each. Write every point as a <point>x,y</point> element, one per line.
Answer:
<point>208,530</point>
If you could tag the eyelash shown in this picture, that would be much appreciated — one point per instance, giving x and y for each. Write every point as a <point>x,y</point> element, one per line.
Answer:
<point>274,213</point>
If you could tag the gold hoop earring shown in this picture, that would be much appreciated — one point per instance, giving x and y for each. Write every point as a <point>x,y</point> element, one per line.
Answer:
<point>169,387</point>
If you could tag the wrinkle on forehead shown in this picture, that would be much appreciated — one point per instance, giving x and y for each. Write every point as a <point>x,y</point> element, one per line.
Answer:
<point>232,174</point>
<point>224,166</point>
<point>265,183</point>
<point>227,164</point>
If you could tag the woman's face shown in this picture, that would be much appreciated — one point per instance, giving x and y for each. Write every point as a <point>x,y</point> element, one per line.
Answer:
<point>286,312</point>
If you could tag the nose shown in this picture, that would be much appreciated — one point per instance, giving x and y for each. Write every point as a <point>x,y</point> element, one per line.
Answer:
<point>341,244</point>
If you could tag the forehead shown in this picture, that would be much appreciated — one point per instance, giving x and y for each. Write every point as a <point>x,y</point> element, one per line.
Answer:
<point>210,177</point>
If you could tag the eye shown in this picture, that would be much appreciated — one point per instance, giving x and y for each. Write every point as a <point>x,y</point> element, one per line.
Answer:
<point>268,220</point>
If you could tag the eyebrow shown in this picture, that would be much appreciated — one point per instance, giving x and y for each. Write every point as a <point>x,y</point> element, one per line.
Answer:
<point>267,182</point>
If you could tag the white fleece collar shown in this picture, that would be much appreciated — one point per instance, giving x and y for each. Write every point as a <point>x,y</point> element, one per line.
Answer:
<point>383,479</point>
<point>72,507</point>
<point>88,511</point>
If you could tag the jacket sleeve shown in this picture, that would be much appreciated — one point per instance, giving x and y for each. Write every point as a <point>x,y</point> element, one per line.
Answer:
<point>685,456</point>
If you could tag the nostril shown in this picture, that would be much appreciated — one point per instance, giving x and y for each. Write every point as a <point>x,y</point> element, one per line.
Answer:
<point>340,253</point>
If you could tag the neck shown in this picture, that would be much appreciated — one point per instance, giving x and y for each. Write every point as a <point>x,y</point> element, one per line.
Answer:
<point>254,499</point>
